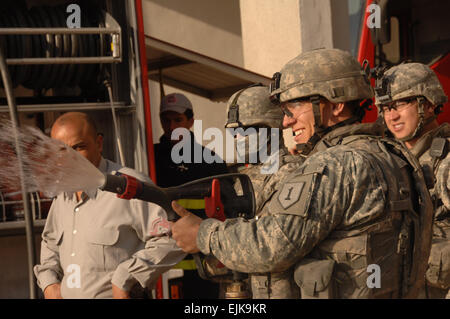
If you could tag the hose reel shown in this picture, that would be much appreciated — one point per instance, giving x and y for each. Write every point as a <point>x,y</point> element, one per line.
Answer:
<point>42,52</point>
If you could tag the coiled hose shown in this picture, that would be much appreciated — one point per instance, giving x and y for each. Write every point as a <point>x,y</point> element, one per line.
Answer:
<point>52,45</point>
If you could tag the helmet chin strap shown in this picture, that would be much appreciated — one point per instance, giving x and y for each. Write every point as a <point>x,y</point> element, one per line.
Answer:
<point>319,128</point>
<point>422,121</point>
<point>306,148</point>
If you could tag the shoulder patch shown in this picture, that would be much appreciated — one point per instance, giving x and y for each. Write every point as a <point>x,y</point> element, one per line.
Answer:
<point>290,194</point>
<point>295,195</point>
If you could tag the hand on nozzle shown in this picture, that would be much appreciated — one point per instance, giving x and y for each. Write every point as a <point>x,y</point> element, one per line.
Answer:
<point>185,230</point>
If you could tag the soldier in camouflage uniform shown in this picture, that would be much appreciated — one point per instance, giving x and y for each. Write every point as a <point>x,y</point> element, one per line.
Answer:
<point>409,98</point>
<point>251,108</point>
<point>351,207</point>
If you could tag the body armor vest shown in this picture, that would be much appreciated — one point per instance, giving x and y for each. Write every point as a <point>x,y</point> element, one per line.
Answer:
<point>430,161</point>
<point>431,151</point>
<point>363,262</point>
<point>272,285</point>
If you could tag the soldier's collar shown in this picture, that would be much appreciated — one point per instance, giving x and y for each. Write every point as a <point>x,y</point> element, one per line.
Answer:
<point>424,142</point>
<point>374,129</point>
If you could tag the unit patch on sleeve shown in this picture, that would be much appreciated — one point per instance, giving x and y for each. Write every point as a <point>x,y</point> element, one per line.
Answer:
<point>290,194</point>
<point>295,195</point>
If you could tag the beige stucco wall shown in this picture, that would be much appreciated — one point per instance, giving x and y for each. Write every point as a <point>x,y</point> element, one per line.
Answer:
<point>270,34</point>
<point>257,35</point>
<point>209,27</point>
<point>275,32</point>
<point>324,24</point>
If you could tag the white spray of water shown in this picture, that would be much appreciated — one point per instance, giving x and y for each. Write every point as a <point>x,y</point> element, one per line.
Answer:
<point>50,166</point>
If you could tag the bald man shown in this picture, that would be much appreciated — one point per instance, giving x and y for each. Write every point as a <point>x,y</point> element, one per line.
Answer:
<point>98,245</point>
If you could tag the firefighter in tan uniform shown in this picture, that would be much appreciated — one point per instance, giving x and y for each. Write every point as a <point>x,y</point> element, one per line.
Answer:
<point>352,206</point>
<point>409,97</point>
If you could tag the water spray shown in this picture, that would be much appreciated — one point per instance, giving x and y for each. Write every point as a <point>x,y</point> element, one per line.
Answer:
<point>52,167</point>
<point>21,169</point>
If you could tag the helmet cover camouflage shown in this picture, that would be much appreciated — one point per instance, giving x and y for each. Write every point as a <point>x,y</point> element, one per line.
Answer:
<point>331,73</point>
<point>409,80</point>
<point>252,107</point>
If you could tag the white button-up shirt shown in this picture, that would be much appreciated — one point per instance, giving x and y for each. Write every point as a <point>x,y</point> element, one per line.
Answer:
<point>89,244</point>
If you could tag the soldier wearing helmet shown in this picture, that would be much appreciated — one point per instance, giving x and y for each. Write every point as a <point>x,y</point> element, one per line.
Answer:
<point>330,77</point>
<point>251,108</point>
<point>409,97</point>
<point>349,210</point>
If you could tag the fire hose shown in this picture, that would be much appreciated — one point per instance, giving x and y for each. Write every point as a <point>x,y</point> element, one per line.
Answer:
<point>221,202</point>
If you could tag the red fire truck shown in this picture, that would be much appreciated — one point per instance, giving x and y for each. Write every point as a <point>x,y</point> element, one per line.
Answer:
<point>409,30</point>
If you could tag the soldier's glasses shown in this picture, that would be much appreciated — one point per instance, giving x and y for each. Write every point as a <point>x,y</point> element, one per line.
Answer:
<point>289,106</point>
<point>399,105</point>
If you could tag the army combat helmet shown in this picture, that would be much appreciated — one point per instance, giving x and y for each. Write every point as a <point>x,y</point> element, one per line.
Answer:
<point>410,80</point>
<point>251,107</point>
<point>332,74</point>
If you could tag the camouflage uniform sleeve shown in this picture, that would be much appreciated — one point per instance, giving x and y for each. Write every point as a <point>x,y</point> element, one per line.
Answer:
<point>330,189</point>
<point>443,183</point>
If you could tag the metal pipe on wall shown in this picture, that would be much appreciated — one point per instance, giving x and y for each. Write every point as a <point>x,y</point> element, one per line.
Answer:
<point>31,252</point>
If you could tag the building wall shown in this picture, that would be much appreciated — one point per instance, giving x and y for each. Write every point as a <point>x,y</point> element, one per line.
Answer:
<point>275,32</point>
<point>271,34</point>
<point>209,27</point>
<point>257,35</point>
<point>324,24</point>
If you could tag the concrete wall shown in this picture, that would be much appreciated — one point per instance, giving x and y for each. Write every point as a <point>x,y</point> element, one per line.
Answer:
<point>209,27</point>
<point>271,34</point>
<point>275,32</point>
<point>258,35</point>
<point>324,24</point>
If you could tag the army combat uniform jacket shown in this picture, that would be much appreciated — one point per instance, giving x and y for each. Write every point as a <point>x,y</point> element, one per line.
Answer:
<point>346,208</point>
<point>432,150</point>
<point>272,285</point>
<point>265,185</point>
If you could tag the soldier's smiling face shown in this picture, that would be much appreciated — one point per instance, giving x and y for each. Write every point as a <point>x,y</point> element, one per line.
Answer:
<point>302,120</point>
<point>403,119</point>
